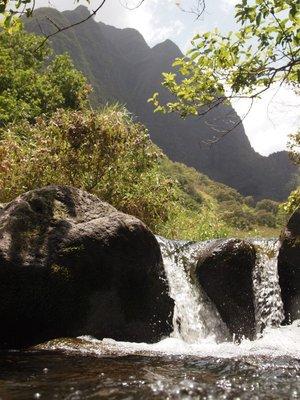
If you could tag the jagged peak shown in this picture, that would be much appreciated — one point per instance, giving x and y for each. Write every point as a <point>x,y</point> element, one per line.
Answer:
<point>43,10</point>
<point>82,10</point>
<point>167,46</point>
<point>129,34</point>
<point>133,35</point>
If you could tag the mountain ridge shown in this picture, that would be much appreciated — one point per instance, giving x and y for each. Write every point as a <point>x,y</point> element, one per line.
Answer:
<point>122,67</point>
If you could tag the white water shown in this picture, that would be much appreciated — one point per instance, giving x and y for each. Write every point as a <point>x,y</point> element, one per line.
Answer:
<point>283,341</point>
<point>195,316</point>
<point>198,328</point>
<point>267,293</point>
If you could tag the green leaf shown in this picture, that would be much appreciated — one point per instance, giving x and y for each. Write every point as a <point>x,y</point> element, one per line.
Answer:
<point>8,20</point>
<point>258,19</point>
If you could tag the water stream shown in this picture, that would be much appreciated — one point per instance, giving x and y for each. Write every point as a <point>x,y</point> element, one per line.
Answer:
<point>196,362</point>
<point>267,293</point>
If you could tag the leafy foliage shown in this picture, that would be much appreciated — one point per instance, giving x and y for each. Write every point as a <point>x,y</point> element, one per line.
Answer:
<point>267,205</point>
<point>31,83</point>
<point>294,147</point>
<point>108,154</point>
<point>105,153</point>
<point>207,209</point>
<point>293,202</point>
<point>49,137</point>
<point>11,8</point>
<point>246,62</point>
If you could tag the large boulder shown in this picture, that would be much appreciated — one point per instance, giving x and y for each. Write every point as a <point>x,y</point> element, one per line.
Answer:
<point>289,268</point>
<point>73,265</point>
<point>224,271</point>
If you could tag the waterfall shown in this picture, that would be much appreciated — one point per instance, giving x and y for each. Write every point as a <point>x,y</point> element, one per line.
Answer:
<point>195,316</point>
<point>267,293</point>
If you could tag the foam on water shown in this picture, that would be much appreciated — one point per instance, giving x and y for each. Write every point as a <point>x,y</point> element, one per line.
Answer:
<point>276,342</point>
<point>198,328</point>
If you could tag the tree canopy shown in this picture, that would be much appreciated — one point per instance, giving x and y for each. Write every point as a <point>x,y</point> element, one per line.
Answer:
<point>32,82</point>
<point>241,64</point>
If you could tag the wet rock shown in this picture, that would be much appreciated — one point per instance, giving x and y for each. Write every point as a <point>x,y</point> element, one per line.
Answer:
<point>289,268</point>
<point>73,265</point>
<point>224,270</point>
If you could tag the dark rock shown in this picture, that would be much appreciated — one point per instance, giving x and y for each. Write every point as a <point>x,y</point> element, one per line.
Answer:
<point>71,264</point>
<point>224,271</point>
<point>289,268</point>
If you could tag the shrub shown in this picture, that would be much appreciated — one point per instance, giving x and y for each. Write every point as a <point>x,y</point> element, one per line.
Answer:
<point>292,203</point>
<point>266,218</point>
<point>31,83</point>
<point>224,194</point>
<point>237,216</point>
<point>267,205</point>
<point>188,179</point>
<point>249,201</point>
<point>105,153</point>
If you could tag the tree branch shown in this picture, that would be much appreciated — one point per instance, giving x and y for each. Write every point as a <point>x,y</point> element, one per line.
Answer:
<point>64,28</point>
<point>225,133</point>
<point>198,10</point>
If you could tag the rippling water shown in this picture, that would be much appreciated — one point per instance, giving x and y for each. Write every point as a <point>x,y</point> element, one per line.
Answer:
<point>85,368</point>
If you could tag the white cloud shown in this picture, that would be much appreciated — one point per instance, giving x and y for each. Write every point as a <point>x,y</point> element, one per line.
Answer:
<point>228,5</point>
<point>151,21</point>
<point>271,118</point>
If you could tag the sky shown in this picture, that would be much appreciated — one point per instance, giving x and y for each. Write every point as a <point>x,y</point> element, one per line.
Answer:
<point>271,118</point>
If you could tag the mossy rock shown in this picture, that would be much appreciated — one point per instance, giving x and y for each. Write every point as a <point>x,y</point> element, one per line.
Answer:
<point>73,265</point>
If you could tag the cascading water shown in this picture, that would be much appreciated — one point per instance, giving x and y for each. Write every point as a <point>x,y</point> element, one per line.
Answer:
<point>267,293</point>
<point>198,328</point>
<point>195,316</point>
<point>189,364</point>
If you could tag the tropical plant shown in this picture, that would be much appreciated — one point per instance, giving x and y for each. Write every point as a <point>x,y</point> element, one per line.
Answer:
<point>241,64</point>
<point>104,152</point>
<point>32,82</point>
<point>293,201</point>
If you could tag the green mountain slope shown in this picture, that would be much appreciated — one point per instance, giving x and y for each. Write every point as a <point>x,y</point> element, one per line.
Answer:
<point>121,66</point>
<point>207,209</point>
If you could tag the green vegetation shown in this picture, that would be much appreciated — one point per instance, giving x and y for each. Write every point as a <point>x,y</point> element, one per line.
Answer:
<point>102,152</point>
<point>11,8</point>
<point>293,202</point>
<point>34,83</point>
<point>207,209</point>
<point>264,50</point>
<point>107,153</point>
<point>120,66</point>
